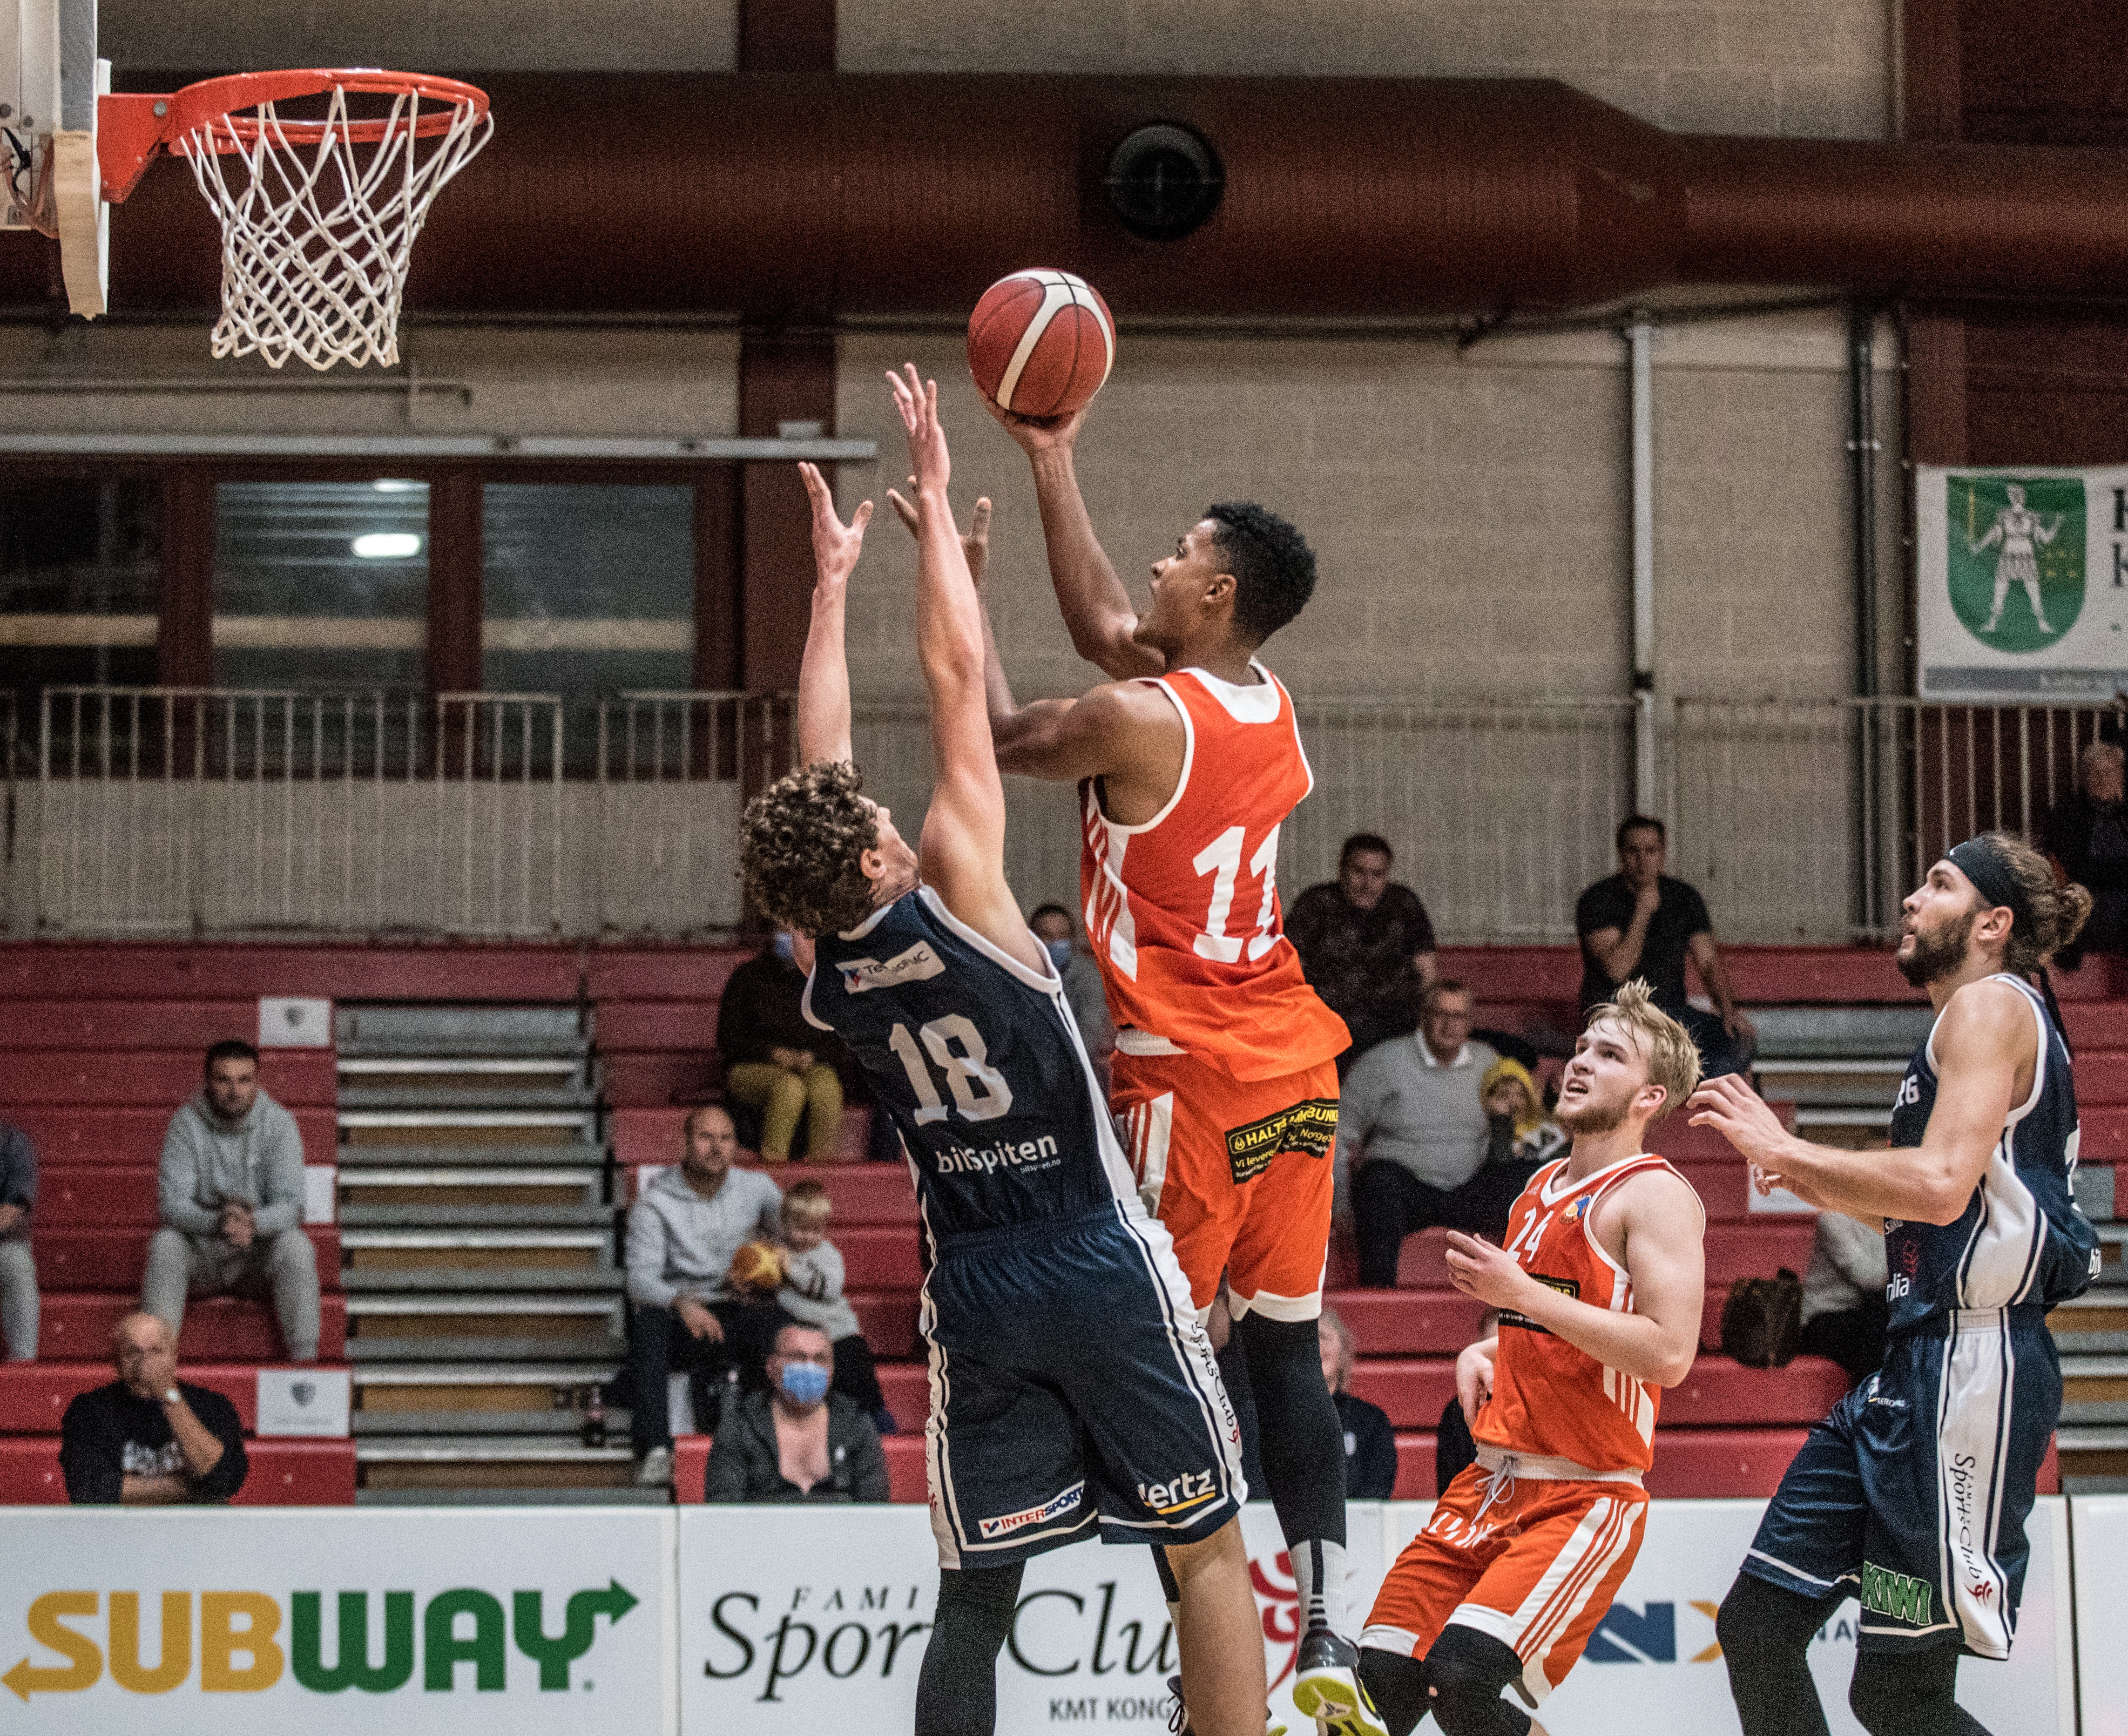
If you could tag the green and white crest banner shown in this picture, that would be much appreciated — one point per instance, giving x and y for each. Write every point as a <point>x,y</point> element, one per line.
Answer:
<point>2023,583</point>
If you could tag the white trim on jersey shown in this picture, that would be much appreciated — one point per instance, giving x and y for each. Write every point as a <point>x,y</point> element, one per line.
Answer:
<point>1046,981</point>
<point>1257,702</point>
<point>1608,1530</point>
<point>1116,827</point>
<point>1972,1433</point>
<point>1149,1126</point>
<point>2001,1259</point>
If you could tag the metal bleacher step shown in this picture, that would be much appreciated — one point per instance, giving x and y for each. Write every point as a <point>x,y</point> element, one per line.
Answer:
<point>2112,1245</point>
<point>523,1098</point>
<point>468,1127</point>
<point>556,1422</point>
<point>471,1383</point>
<point>389,1281</point>
<point>417,1496</point>
<point>487,1449</point>
<point>564,1319</point>
<point>476,1217</point>
<point>575,1154</point>
<point>477,1348</point>
<point>1836,1033</point>
<point>510,1031</point>
<point>432,1249</point>
<point>2092,1324</point>
<point>484,1184</point>
<point>1813,1081</point>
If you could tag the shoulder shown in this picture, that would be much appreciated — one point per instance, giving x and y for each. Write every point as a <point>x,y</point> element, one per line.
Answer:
<point>1659,1194</point>
<point>1359,1413</point>
<point>1683,893</point>
<point>1127,704</point>
<point>1381,1062</point>
<point>1317,897</point>
<point>84,1409</point>
<point>1403,899</point>
<point>757,1185</point>
<point>1986,1012</point>
<point>211,1407</point>
<point>1482,1055</point>
<point>1601,896</point>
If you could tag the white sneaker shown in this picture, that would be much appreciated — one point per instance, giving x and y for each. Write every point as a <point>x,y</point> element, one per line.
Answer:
<point>656,1470</point>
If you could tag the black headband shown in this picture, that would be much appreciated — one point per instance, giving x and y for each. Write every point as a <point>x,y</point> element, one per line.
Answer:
<point>1983,862</point>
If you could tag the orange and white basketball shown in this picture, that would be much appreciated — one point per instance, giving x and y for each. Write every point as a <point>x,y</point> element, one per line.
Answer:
<point>757,1266</point>
<point>1041,343</point>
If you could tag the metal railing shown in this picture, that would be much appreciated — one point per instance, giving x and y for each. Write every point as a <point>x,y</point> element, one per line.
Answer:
<point>180,810</point>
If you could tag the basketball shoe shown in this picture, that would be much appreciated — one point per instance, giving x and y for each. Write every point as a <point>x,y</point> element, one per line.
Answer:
<point>1327,1688</point>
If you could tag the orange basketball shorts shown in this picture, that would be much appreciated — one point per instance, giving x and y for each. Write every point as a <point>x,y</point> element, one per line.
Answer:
<point>1534,1562</point>
<point>1239,1173</point>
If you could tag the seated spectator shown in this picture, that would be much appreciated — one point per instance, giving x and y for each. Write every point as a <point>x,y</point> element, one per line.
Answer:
<point>1518,1131</point>
<point>150,1440</point>
<point>1454,1450</point>
<point>1641,923</point>
<point>232,1194</point>
<point>1370,1452</point>
<point>774,1061</point>
<point>1844,1310</point>
<point>799,1441</point>
<point>1414,1136</point>
<point>683,1234</point>
<point>1053,927</point>
<point>812,1295</point>
<point>18,1267</point>
<point>2088,837</point>
<point>1366,944</point>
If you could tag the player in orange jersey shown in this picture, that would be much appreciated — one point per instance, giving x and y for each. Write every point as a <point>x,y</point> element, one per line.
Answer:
<point>1599,1286</point>
<point>1224,1081</point>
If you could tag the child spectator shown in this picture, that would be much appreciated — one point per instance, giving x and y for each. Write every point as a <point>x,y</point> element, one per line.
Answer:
<point>1520,1132</point>
<point>812,1295</point>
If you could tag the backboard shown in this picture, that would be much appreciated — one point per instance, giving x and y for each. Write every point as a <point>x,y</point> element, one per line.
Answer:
<point>50,81</point>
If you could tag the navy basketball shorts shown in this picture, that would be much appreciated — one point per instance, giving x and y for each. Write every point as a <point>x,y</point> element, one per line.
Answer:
<point>1071,1390</point>
<point>1913,1495</point>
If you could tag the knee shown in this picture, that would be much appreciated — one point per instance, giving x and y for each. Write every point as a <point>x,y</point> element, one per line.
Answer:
<point>1467,1670</point>
<point>786,1091</point>
<point>168,1253</point>
<point>1759,1622</point>
<point>292,1255</point>
<point>824,1087</point>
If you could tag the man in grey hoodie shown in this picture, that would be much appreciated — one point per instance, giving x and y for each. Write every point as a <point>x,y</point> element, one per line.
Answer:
<point>231,1193</point>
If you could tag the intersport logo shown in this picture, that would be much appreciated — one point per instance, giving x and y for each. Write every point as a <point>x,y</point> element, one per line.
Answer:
<point>247,1642</point>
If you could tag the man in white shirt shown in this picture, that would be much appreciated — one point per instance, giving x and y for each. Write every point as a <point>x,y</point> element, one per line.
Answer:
<point>681,1235</point>
<point>1412,1133</point>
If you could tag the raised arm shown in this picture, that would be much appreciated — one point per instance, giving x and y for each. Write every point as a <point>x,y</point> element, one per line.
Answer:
<point>963,851</point>
<point>823,676</point>
<point>1986,1045</point>
<point>1097,608</point>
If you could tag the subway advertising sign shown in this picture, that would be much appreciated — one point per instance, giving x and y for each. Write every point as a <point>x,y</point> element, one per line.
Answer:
<point>323,1620</point>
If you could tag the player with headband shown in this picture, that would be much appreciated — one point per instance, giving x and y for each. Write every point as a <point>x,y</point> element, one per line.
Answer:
<point>1912,1494</point>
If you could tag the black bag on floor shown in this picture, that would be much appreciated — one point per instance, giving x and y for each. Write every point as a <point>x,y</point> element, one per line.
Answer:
<point>1762,1320</point>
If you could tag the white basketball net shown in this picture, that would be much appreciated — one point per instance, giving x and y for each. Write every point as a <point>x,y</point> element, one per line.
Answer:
<point>316,236</point>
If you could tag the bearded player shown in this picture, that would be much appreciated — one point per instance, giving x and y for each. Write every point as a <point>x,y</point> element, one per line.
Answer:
<point>1073,1390</point>
<point>1912,1494</point>
<point>1224,1075</point>
<point>1600,1285</point>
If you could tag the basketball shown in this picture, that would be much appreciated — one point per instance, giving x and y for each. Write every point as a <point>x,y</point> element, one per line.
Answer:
<point>1040,343</point>
<point>756,1267</point>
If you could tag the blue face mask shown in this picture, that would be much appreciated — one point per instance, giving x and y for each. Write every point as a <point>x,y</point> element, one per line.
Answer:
<point>782,945</point>
<point>804,1383</point>
<point>1059,951</point>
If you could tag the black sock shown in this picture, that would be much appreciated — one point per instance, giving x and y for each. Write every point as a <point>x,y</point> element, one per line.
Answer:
<point>1910,1694</point>
<point>956,1689</point>
<point>1765,1631</point>
<point>1303,1449</point>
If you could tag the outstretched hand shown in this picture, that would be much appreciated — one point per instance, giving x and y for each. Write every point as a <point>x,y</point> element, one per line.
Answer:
<point>1035,434</point>
<point>836,545</point>
<point>1729,1105</point>
<point>917,399</point>
<point>975,540</point>
<point>1478,1268</point>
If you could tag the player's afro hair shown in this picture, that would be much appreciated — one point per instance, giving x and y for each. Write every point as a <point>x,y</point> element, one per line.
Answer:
<point>1274,568</point>
<point>801,854</point>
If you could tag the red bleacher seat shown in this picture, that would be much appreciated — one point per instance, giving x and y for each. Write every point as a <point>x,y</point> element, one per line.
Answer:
<point>1415,1478</point>
<point>1412,1390</point>
<point>283,1473</point>
<point>218,1328</point>
<point>115,1258</point>
<point>165,1078</point>
<point>34,1395</point>
<point>1408,1322</point>
<point>653,1080</point>
<point>520,972</point>
<point>694,973</point>
<point>862,1193</point>
<point>79,1195</point>
<point>82,1136</point>
<point>189,1025</point>
<point>888,1322</point>
<point>1718,1393</point>
<point>1757,1249</point>
<point>656,1027</point>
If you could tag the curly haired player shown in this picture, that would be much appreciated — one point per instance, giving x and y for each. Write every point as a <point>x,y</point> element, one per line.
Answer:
<point>1600,1285</point>
<point>1073,1390</point>
<point>1911,1494</point>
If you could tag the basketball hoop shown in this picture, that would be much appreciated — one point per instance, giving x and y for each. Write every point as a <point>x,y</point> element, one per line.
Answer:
<point>319,211</point>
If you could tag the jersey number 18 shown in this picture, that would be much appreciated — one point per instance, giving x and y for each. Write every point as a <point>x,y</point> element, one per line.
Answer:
<point>980,1090</point>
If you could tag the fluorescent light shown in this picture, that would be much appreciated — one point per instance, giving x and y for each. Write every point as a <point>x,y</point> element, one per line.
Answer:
<point>397,485</point>
<point>387,545</point>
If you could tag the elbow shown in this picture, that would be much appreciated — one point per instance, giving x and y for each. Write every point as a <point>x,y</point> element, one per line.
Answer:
<point>1676,1367</point>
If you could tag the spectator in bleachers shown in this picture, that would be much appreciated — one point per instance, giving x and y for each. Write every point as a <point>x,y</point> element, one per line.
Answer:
<point>1640,922</point>
<point>812,1295</point>
<point>800,1441</point>
<point>1518,1130</point>
<point>150,1440</point>
<point>1366,945</point>
<point>1413,1137</point>
<point>2088,837</point>
<point>682,1234</point>
<point>775,1062</point>
<point>1370,1452</point>
<point>1845,1313</point>
<point>1052,925</point>
<point>231,1196</point>
<point>18,1267</point>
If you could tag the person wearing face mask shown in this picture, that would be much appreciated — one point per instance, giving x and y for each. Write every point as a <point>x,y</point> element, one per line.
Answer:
<point>1089,1002</point>
<point>775,1064</point>
<point>798,1441</point>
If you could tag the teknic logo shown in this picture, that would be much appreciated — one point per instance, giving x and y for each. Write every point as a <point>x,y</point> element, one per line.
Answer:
<point>237,1640</point>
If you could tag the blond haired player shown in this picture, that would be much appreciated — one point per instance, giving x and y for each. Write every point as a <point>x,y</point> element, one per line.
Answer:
<point>1599,1286</point>
<point>1224,1075</point>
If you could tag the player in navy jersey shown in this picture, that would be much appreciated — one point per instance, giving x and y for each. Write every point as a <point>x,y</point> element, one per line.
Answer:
<point>1913,1495</point>
<point>1073,1392</point>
